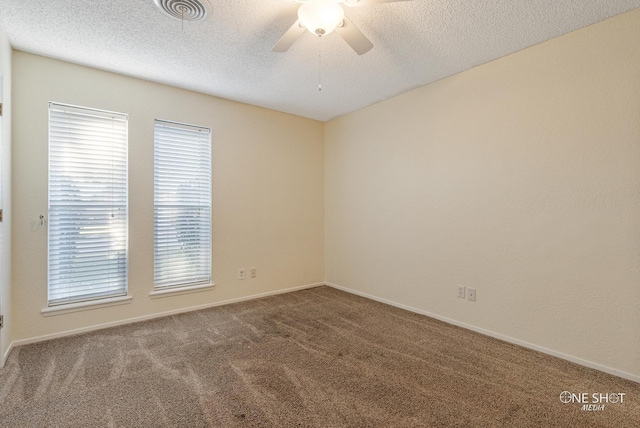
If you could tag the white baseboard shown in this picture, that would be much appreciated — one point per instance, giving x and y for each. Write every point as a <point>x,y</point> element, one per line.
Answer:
<point>6,355</point>
<point>586,363</point>
<point>499,336</point>
<point>153,316</point>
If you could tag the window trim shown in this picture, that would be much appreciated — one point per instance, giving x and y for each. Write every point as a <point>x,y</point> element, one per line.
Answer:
<point>177,290</point>
<point>69,308</point>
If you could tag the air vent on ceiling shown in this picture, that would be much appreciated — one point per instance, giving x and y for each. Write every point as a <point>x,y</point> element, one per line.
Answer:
<point>185,10</point>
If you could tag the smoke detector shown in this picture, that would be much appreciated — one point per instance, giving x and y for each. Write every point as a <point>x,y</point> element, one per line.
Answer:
<point>185,10</point>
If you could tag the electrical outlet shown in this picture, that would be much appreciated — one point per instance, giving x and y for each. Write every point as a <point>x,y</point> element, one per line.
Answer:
<point>252,272</point>
<point>241,273</point>
<point>461,292</point>
<point>471,294</point>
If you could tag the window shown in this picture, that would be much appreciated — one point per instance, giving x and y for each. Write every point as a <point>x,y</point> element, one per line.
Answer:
<point>182,205</point>
<point>87,204</point>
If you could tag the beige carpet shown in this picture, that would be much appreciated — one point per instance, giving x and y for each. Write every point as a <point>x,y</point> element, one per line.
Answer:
<point>313,358</point>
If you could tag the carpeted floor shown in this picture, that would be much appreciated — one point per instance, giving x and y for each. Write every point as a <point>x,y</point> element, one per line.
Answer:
<point>313,358</point>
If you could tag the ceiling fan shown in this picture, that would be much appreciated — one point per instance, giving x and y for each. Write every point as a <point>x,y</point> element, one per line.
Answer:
<point>321,17</point>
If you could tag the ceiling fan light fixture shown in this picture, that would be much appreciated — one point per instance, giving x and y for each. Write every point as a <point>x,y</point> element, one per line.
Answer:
<point>320,17</point>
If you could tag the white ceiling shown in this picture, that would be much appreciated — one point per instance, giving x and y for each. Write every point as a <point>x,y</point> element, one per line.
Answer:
<point>229,55</point>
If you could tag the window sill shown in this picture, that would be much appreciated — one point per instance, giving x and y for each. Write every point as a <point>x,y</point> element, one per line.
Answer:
<point>84,306</point>
<point>175,291</point>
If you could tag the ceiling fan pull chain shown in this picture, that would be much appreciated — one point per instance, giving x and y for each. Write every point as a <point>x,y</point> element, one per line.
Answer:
<point>319,64</point>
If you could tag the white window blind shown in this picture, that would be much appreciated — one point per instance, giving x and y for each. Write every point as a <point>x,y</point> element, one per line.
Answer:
<point>87,204</point>
<point>182,205</point>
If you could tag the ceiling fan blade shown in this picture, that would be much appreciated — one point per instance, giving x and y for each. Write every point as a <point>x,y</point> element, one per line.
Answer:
<point>354,37</point>
<point>289,37</point>
<point>355,3</point>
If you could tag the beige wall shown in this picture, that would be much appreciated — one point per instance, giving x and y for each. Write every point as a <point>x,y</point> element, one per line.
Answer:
<point>5,196</point>
<point>520,178</point>
<point>267,192</point>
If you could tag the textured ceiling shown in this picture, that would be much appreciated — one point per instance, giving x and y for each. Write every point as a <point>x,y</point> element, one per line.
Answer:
<point>229,55</point>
